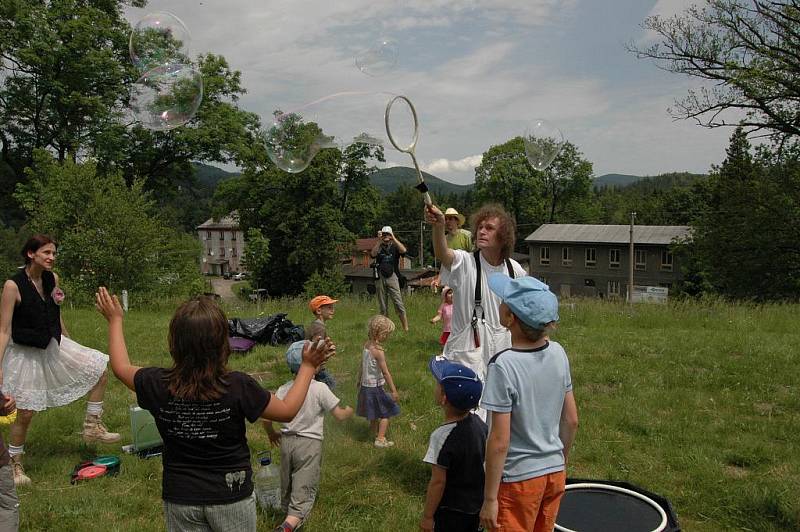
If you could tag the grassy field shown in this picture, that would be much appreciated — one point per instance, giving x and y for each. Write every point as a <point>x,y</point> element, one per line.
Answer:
<point>697,402</point>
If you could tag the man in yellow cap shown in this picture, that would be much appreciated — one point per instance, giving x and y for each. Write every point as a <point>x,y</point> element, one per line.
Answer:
<point>457,237</point>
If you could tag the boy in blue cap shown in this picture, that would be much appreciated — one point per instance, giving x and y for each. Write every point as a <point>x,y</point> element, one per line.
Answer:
<point>455,452</point>
<point>533,414</point>
<point>300,441</point>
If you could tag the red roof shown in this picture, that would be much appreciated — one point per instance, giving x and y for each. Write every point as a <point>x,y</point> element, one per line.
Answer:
<point>366,244</point>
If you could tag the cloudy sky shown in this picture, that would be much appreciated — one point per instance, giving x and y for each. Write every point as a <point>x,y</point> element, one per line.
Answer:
<point>477,71</point>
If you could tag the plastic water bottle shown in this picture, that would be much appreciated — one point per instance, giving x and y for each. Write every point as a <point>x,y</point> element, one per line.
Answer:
<point>267,483</point>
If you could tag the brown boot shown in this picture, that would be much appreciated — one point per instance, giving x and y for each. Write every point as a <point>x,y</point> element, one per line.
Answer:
<point>95,431</point>
<point>20,478</point>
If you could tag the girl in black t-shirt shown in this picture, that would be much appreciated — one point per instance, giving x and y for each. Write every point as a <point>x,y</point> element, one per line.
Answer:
<point>200,409</point>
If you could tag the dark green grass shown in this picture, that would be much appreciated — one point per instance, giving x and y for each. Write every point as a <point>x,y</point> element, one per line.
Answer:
<point>698,402</point>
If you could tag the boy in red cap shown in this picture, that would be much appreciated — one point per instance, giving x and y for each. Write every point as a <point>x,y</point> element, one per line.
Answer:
<point>322,307</point>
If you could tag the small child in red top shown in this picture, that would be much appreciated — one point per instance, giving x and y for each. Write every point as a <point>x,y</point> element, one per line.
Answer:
<point>445,314</point>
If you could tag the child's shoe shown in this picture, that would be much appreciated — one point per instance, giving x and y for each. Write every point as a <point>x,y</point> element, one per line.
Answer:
<point>286,527</point>
<point>383,443</point>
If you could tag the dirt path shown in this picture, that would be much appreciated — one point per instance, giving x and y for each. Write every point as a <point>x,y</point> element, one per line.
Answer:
<point>222,287</point>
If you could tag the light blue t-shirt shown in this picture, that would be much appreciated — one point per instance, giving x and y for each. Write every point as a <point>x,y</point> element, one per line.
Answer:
<point>532,385</point>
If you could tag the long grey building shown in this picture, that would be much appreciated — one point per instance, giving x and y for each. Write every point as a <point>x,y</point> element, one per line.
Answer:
<point>593,260</point>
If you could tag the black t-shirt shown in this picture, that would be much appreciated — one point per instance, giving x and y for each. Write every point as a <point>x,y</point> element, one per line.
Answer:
<point>388,259</point>
<point>460,448</point>
<point>206,458</point>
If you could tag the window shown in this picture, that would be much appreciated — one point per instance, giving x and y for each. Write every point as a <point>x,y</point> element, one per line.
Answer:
<point>641,259</point>
<point>221,251</point>
<point>613,288</point>
<point>613,258</point>
<point>233,252</point>
<point>209,252</point>
<point>566,256</point>
<point>543,279</point>
<point>233,235</point>
<point>666,260</point>
<point>208,235</point>
<point>544,256</point>
<point>591,257</point>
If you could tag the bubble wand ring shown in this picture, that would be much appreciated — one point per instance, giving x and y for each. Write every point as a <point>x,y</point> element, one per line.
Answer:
<point>411,147</point>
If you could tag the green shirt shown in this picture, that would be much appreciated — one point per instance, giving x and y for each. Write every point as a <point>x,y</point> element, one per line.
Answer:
<point>461,239</point>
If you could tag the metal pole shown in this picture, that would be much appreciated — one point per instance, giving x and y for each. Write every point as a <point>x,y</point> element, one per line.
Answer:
<point>421,244</point>
<point>631,261</point>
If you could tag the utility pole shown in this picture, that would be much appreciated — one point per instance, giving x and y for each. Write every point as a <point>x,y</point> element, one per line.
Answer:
<point>421,243</point>
<point>631,261</point>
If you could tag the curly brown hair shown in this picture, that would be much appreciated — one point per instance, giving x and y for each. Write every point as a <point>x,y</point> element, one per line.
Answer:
<point>198,343</point>
<point>506,230</point>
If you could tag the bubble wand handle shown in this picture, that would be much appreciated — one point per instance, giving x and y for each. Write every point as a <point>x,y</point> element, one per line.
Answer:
<point>410,148</point>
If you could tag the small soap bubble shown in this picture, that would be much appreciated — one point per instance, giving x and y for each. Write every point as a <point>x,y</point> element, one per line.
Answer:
<point>167,96</point>
<point>543,142</point>
<point>158,39</point>
<point>379,59</point>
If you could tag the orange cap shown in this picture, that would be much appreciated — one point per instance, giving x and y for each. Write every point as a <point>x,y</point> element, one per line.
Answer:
<point>318,301</point>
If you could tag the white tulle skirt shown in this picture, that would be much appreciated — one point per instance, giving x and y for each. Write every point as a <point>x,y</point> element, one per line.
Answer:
<point>44,378</point>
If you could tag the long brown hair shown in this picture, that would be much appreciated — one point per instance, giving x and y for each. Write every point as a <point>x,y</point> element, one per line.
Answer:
<point>506,231</point>
<point>198,343</point>
<point>33,244</point>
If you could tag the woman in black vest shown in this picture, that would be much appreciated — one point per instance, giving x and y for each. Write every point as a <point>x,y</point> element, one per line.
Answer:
<point>42,367</point>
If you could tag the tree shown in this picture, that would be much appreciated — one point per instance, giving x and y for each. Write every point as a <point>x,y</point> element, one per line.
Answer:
<point>65,79</point>
<point>108,233</point>
<point>560,193</point>
<point>65,72</point>
<point>749,50</point>
<point>747,238</point>
<point>361,202</point>
<point>299,214</point>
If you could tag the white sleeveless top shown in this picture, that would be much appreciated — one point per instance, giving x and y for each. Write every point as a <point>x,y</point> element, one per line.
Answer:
<point>371,374</point>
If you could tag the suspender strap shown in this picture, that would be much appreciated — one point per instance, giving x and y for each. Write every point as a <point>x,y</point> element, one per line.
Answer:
<point>477,255</point>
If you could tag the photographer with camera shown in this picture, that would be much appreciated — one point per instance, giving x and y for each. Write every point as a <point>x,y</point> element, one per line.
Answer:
<point>387,252</point>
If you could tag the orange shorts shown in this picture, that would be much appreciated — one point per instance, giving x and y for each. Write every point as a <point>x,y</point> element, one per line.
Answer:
<point>530,505</point>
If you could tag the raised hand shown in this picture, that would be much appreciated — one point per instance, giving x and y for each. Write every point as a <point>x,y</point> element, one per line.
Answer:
<point>108,305</point>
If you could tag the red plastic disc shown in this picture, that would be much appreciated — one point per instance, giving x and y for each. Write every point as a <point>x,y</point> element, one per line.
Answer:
<point>92,471</point>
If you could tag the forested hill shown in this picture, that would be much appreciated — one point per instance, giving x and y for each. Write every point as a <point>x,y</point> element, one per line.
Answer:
<point>209,176</point>
<point>645,183</point>
<point>387,180</point>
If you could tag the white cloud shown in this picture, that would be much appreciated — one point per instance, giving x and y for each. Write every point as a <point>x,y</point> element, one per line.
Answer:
<point>467,164</point>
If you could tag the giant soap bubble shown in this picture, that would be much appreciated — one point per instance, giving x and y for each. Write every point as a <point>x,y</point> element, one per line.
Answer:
<point>167,96</point>
<point>379,59</point>
<point>543,141</point>
<point>335,121</point>
<point>158,39</point>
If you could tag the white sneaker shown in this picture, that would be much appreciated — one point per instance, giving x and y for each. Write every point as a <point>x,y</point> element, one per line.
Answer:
<point>383,443</point>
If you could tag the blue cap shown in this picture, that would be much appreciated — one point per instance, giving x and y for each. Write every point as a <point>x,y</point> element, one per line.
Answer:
<point>461,385</point>
<point>528,298</point>
<point>294,355</point>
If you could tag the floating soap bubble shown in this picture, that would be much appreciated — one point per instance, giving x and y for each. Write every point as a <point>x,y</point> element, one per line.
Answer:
<point>378,60</point>
<point>167,96</point>
<point>158,39</point>
<point>335,121</point>
<point>543,141</point>
<point>291,143</point>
